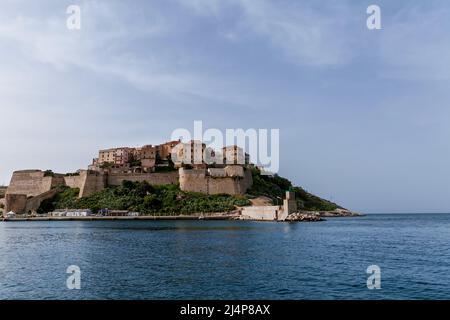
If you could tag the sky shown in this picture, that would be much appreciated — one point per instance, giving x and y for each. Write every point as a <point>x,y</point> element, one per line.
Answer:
<point>364,115</point>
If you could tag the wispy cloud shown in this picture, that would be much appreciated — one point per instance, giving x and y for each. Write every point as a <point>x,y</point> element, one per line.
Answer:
<point>415,44</point>
<point>304,34</point>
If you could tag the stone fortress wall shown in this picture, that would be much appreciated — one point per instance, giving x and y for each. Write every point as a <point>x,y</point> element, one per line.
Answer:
<point>29,188</point>
<point>116,179</point>
<point>232,180</point>
<point>32,182</point>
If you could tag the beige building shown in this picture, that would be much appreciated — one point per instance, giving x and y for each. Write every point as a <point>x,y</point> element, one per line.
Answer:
<point>164,150</point>
<point>235,155</point>
<point>146,155</point>
<point>122,156</point>
<point>116,156</point>
<point>106,156</point>
<point>190,153</point>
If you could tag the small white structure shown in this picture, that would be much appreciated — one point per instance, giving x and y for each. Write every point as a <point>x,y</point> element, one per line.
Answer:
<point>72,213</point>
<point>262,213</point>
<point>272,213</point>
<point>79,213</point>
<point>10,215</point>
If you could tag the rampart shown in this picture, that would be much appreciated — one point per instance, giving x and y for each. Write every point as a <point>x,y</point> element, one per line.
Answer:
<point>116,179</point>
<point>33,182</point>
<point>90,182</point>
<point>230,180</point>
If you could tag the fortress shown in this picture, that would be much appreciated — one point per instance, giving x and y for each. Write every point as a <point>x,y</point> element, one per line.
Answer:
<point>194,168</point>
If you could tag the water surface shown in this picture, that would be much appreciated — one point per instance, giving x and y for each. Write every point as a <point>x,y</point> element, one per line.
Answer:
<point>228,259</point>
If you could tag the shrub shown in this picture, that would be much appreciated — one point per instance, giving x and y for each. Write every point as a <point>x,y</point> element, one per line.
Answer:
<point>49,173</point>
<point>275,187</point>
<point>145,198</point>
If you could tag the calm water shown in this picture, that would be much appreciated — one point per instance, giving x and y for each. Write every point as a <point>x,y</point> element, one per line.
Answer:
<point>228,260</point>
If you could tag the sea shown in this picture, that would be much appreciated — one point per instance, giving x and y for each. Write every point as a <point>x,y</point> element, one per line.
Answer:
<point>377,256</point>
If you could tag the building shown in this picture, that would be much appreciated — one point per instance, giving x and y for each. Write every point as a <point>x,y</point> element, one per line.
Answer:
<point>71,213</point>
<point>235,155</point>
<point>115,213</point>
<point>106,156</point>
<point>122,156</point>
<point>115,156</point>
<point>145,156</point>
<point>164,151</point>
<point>189,153</point>
<point>272,213</point>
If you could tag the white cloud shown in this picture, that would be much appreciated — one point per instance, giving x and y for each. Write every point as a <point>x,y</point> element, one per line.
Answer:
<point>98,47</point>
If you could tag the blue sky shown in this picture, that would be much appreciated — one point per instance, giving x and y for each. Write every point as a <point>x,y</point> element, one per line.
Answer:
<point>363,115</point>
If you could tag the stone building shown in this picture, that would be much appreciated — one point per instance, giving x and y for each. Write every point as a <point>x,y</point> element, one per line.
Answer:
<point>272,213</point>
<point>146,155</point>
<point>189,153</point>
<point>116,156</point>
<point>235,155</point>
<point>164,151</point>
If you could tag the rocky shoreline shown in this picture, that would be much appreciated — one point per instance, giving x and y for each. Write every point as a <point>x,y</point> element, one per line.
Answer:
<point>339,213</point>
<point>315,216</point>
<point>304,217</point>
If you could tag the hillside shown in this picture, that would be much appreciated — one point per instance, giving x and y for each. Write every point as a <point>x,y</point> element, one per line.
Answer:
<point>169,199</point>
<point>275,187</point>
<point>146,199</point>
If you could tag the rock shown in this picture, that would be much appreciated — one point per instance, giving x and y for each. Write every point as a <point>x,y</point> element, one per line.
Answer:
<point>339,213</point>
<point>305,217</point>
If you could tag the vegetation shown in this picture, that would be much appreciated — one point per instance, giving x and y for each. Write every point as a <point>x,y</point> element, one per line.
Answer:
<point>274,187</point>
<point>133,162</point>
<point>170,166</point>
<point>106,165</point>
<point>72,174</point>
<point>169,199</point>
<point>49,173</point>
<point>146,199</point>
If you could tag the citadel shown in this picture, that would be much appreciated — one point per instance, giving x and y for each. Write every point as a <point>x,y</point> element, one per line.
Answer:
<point>192,165</point>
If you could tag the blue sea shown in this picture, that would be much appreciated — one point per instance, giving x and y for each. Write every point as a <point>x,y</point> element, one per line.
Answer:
<point>228,259</point>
